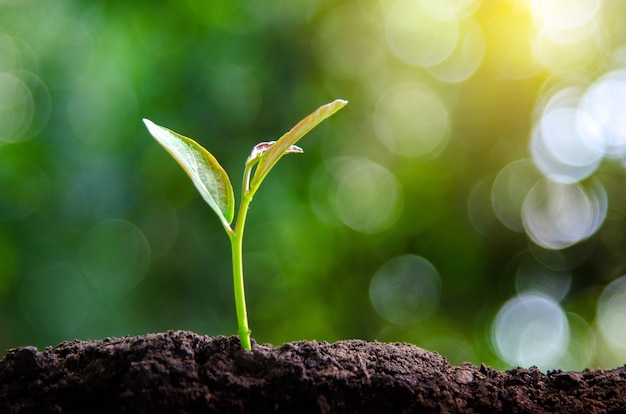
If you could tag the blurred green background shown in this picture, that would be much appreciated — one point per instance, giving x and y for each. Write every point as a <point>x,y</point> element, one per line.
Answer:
<point>470,198</point>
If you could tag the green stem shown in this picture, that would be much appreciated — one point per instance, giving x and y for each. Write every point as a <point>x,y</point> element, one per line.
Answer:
<point>236,241</point>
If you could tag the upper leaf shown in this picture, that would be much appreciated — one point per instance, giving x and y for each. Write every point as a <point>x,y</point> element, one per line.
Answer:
<point>206,173</point>
<point>274,152</point>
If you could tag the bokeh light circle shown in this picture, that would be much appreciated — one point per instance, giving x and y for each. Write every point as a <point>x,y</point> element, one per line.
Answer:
<point>464,59</point>
<point>418,36</point>
<point>115,255</point>
<point>509,190</point>
<point>483,219</point>
<point>563,144</point>
<point>553,259</point>
<point>405,290</point>
<point>565,59</point>
<point>556,94</point>
<point>532,276</point>
<point>10,52</point>
<point>42,103</point>
<point>604,124</point>
<point>611,314</point>
<point>559,130</point>
<point>582,345</point>
<point>17,108</point>
<point>552,167</point>
<point>412,120</point>
<point>565,22</point>
<point>531,329</point>
<point>367,197</point>
<point>557,215</point>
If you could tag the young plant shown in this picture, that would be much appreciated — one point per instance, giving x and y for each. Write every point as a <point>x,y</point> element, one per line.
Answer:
<point>214,185</point>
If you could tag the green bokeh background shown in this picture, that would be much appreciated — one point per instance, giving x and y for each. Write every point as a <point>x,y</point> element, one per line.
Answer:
<point>86,195</point>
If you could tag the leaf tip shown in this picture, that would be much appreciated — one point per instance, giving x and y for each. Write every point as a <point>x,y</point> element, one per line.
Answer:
<point>332,107</point>
<point>152,127</point>
<point>338,104</point>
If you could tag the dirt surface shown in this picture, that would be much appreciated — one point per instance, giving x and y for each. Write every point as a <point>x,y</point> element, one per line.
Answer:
<point>182,372</point>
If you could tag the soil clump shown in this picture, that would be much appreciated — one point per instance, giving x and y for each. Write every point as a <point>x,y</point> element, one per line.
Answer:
<point>182,372</point>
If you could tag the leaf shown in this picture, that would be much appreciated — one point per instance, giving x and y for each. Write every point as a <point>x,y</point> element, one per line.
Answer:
<point>274,152</point>
<point>206,173</point>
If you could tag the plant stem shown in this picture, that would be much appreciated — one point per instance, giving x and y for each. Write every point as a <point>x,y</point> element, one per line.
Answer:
<point>236,241</point>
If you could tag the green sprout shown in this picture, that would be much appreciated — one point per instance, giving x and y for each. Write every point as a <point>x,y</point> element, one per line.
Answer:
<point>214,185</point>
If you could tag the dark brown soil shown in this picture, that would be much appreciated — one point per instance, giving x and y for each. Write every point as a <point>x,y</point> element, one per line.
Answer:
<point>182,372</point>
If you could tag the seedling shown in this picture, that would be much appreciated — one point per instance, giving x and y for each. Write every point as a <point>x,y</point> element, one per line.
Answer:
<point>214,185</point>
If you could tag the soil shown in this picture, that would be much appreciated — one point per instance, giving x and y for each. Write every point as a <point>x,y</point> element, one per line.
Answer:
<point>182,372</point>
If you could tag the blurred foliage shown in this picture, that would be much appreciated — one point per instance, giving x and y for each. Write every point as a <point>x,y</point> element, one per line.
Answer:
<point>102,234</point>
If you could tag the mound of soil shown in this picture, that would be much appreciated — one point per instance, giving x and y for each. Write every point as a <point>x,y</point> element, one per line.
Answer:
<point>183,372</point>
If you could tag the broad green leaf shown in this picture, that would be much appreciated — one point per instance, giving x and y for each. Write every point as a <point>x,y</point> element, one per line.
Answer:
<point>206,173</point>
<point>274,152</point>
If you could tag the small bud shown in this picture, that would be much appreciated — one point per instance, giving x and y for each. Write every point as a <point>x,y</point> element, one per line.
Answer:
<point>260,149</point>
